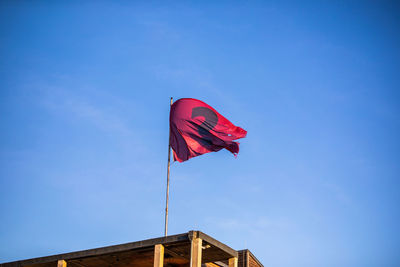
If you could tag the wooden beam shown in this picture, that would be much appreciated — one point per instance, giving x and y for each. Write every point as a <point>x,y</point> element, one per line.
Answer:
<point>76,262</point>
<point>158,255</point>
<point>173,254</point>
<point>61,263</point>
<point>249,254</point>
<point>233,262</point>
<point>101,251</point>
<point>195,252</point>
<point>150,243</point>
<point>215,243</point>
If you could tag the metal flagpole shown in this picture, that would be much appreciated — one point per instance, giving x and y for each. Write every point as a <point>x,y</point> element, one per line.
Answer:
<point>169,163</point>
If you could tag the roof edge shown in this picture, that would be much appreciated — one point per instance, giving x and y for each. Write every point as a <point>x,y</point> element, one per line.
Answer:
<point>218,244</point>
<point>252,255</point>
<point>125,247</point>
<point>100,250</point>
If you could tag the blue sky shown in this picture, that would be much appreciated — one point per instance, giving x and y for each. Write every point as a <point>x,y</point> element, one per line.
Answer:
<point>84,101</point>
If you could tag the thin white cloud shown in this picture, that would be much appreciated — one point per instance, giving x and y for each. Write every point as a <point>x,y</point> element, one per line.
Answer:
<point>252,224</point>
<point>66,102</point>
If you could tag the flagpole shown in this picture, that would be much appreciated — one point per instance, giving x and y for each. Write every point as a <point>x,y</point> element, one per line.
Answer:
<point>167,194</point>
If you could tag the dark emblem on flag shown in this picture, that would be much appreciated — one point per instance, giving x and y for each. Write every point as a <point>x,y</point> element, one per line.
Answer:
<point>211,119</point>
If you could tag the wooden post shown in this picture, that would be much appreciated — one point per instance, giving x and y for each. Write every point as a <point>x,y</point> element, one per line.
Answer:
<point>158,255</point>
<point>195,252</point>
<point>233,262</point>
<point>168,167</point>
<point>61,263</point>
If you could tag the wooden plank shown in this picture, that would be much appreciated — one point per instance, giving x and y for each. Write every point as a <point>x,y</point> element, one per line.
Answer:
<point>233,262</point>
<point>127,247</point>
<point>158,255</point>
<point>174,254</point>
<point>61,263</point>
<point>252,258</point>
<point>100,251</point>
<point>195,252</point>
<point>216,243</point>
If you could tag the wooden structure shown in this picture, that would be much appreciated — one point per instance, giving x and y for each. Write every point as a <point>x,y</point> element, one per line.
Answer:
<point>192,249</point>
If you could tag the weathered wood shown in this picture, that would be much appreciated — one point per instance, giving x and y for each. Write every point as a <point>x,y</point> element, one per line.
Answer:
<point>195,252</point>
<point>252,260</point>
<point>101,251</point>
<point>233,262</point>
<point>158,255</point>
<point>216,243</point>
<point>140,245</point>
<point>174,254</point>
<point>221,264</point>
<point>61,263</point>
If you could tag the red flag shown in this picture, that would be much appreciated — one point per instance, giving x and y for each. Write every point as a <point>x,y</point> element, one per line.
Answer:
<point>196,129</point>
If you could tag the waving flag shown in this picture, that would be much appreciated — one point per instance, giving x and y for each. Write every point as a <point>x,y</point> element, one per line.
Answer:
<point>196,128</point>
